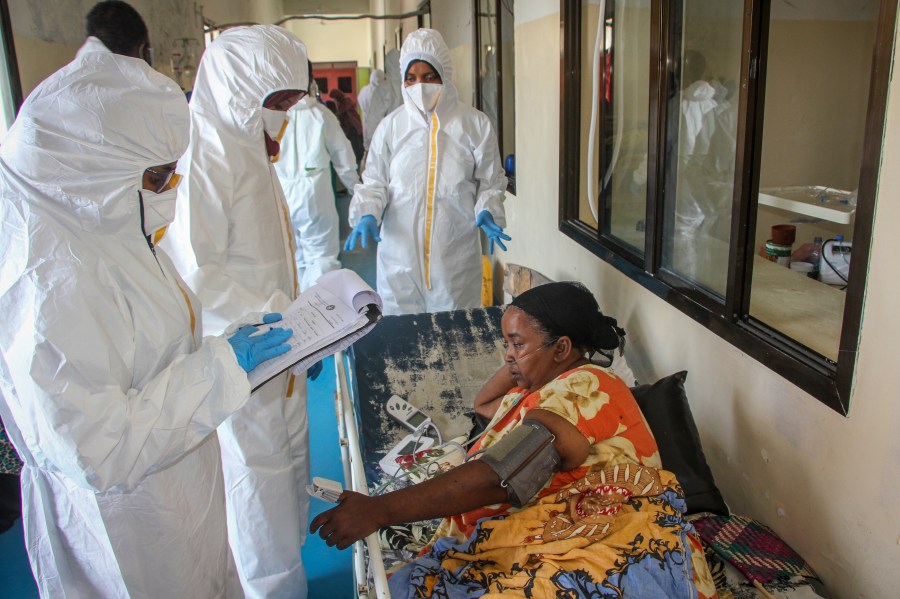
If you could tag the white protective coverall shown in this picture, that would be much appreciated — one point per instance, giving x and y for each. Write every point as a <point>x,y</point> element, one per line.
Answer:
<point>375,101</point>
<point>232,242</point>
<point>427,177</point>
<point>313,141</point>
<point>109,394</point>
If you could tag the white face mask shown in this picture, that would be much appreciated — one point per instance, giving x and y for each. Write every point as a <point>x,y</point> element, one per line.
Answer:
<point>159,209</point>
<point>274,123</point>
<point>424,96</point>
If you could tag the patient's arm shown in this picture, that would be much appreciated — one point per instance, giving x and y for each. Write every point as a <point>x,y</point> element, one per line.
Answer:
<point>467,487</point>
<point>488,399</point>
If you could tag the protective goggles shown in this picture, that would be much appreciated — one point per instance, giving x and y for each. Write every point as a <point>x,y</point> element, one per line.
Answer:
<point>163,180</point>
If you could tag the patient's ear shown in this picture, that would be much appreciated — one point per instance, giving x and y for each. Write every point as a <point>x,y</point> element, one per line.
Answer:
<point>562,349</point>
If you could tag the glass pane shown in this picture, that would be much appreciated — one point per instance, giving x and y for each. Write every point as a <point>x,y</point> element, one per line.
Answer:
<point>817,83</point>
<point>618,163</point>
<point>700,141</point>
<point>7,110</point>
<point>488,61</point>
<point>507,81</point>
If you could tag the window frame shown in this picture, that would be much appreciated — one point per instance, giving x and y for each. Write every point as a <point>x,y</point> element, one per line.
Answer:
<point>830,382</point>
<point>12,62</point>
<point>479,94</point>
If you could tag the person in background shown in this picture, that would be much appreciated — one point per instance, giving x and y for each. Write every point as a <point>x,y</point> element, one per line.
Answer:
<point>109,393</point>
<point>375,103</point>
<point>233,242</point>
<point>351,124</point>
<point>393,80</point>
<point>313,142</point>
<point>432,177</point>
<point>115,26</point>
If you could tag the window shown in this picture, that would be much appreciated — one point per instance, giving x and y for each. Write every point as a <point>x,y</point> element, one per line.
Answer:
<point>10,86</point>
<point>495,94</point>
<point>706,143</point>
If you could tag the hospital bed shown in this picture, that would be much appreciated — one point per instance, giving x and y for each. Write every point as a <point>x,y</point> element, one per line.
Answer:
<point>437,362</point>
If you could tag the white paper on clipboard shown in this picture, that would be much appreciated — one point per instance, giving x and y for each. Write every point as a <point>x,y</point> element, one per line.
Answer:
<point>328,317</point>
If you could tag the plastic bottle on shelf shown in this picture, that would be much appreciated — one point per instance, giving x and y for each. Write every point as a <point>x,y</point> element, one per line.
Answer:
<point>815,256</point>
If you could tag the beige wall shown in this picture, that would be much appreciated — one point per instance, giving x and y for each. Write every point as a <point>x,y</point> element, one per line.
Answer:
<point>454,19</point>
<point>827,484</point>
<point>335,41</point>
<point>824,146</point>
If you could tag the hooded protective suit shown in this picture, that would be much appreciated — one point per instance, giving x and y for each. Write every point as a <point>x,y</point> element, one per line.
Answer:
<point>313,141</point>
<point>428,174</point>
<point>232,242</point>
<point>375,101</point>
<point>109,394</point>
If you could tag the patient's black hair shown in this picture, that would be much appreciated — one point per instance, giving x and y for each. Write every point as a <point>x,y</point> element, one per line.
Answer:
<point>569,309</point>
<point>118,25</point>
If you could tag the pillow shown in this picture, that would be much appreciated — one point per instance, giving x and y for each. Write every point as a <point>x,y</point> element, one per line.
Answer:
<point>666,408</point>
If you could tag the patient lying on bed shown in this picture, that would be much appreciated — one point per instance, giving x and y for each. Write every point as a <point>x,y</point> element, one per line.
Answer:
<point>565,491</point>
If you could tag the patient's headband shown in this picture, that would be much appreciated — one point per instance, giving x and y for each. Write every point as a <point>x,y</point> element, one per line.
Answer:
<point>569,309</point>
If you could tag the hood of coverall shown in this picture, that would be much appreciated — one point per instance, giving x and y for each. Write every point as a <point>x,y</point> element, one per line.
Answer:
<point>91,130</point>
<point>245,65</point>
<point>376,78</point>
<point>428,45</point>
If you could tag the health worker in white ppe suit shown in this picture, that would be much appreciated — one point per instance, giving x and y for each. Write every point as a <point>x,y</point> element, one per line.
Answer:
<point>312,142</point>
<point>233,243</point>
<point>432,178</point>
<point>109,393</point>
<point>375,101</point>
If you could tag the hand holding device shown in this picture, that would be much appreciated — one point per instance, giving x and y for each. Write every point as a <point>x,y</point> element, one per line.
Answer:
<point>365,231</point>
<point>495,233</point>
<point>251,348</point>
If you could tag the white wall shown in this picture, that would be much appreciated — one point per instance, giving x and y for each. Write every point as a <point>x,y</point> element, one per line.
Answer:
<point>827,484</point>
<point>454,19</point>
<point>46,39</point>
<point>335,41</point>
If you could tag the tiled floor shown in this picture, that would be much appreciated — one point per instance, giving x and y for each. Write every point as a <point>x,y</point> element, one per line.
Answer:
<point>329,570</point>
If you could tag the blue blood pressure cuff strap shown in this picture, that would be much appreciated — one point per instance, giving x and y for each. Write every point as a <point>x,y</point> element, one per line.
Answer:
<point>525,459</point>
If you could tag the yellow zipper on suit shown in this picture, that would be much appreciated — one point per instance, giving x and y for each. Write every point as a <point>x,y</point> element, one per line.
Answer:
<point>291,245</point>
<point>429,194</point>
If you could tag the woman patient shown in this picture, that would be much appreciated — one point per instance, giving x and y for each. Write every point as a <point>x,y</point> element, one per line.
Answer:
<point>564,491</point>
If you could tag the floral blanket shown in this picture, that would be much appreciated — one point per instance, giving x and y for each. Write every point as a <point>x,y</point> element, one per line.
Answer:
<point>617,532</point>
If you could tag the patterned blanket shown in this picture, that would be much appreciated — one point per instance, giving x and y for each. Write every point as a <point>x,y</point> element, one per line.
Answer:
<point>617,532</point>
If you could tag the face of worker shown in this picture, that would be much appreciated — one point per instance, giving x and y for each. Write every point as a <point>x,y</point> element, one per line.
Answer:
<point>532,357</point>
<point>283,102</point>
<point>421,72</point>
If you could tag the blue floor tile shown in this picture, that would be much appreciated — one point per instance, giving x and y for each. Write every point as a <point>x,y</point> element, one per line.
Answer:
<point>18,583</point>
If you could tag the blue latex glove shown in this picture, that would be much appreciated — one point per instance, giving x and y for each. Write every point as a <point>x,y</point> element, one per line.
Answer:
<point>365,231</point>
<point>313,372</point>
<point>494,232</point>
<point>253,348</point>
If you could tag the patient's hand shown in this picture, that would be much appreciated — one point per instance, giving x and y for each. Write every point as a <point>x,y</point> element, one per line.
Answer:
<point>356,517</point>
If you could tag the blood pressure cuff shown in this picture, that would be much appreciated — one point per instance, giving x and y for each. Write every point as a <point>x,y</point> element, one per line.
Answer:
<point>524,459</point>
